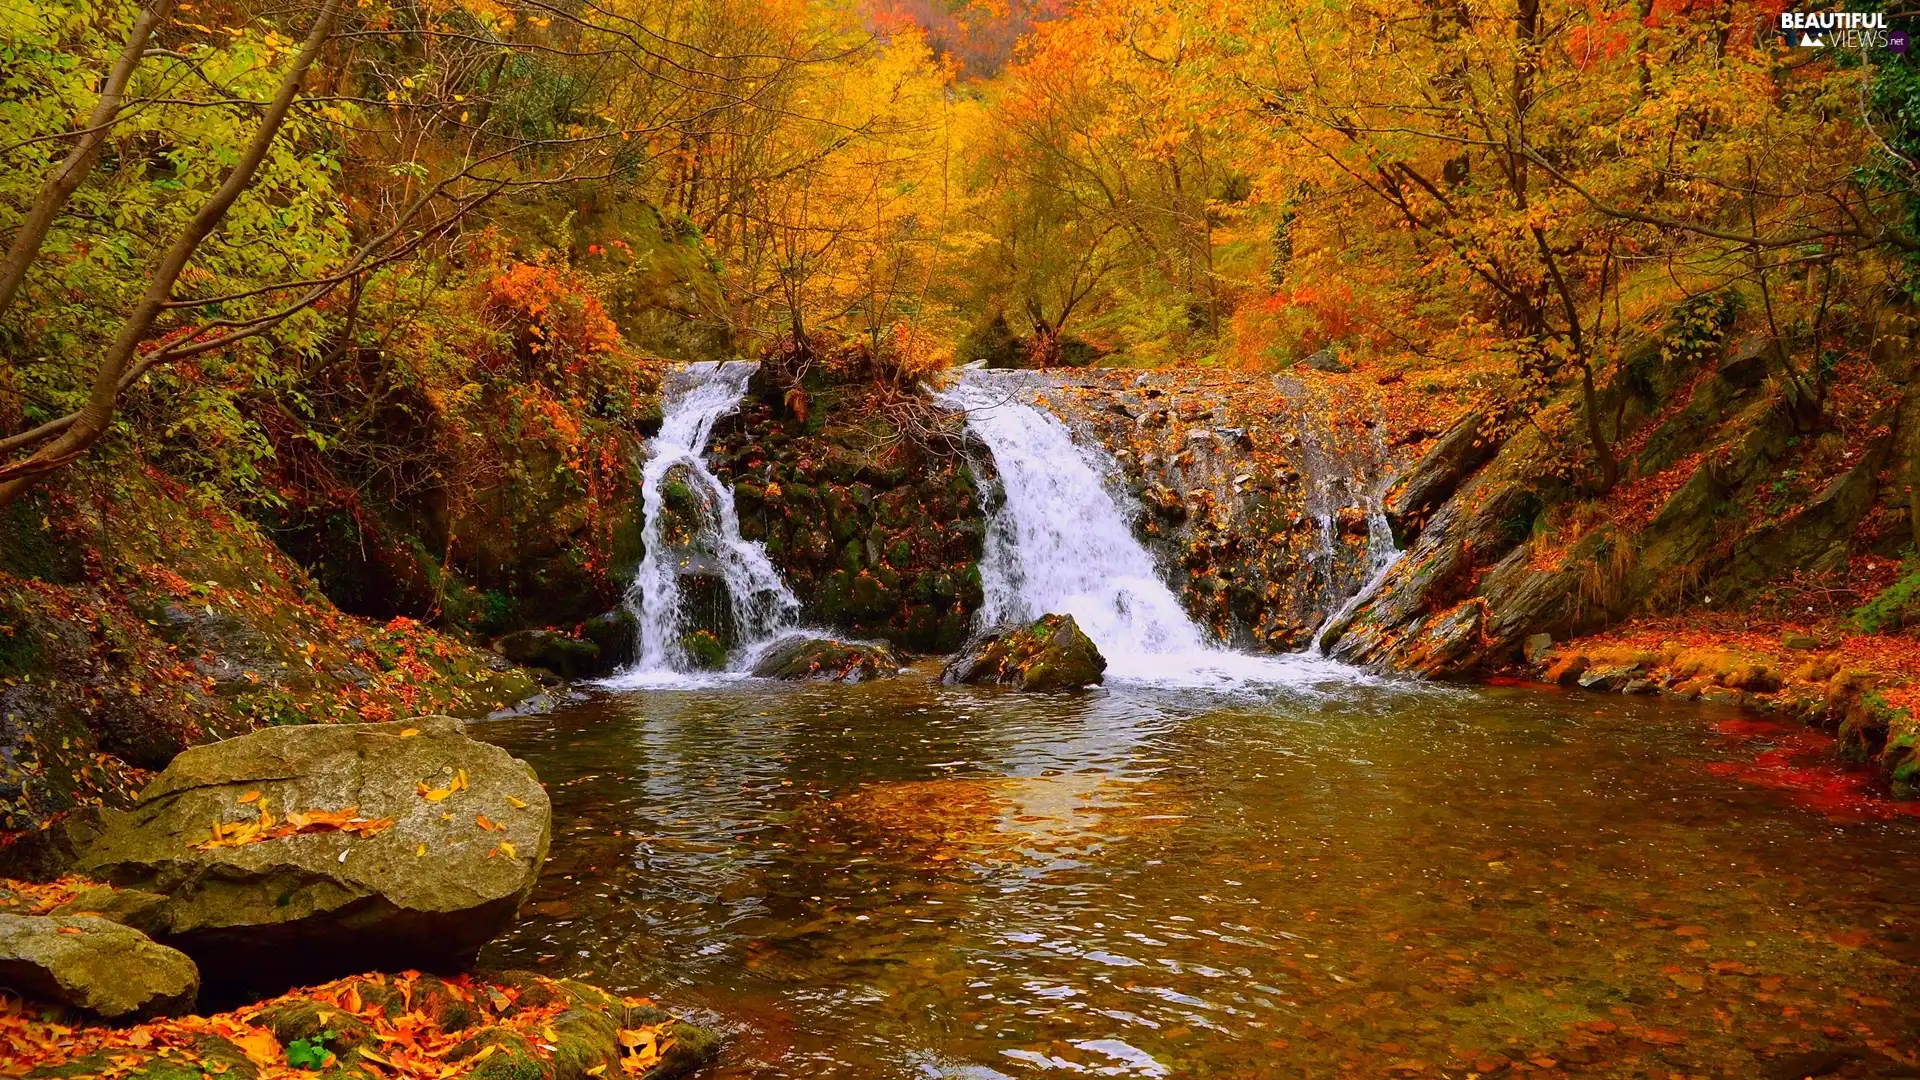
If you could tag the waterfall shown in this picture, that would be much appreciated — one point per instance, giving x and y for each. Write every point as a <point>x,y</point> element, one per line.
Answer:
<point>760,603</point>
<point>1060,542</point>
<point>1382,556</point>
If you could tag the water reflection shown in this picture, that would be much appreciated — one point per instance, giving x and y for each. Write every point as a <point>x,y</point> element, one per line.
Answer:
<point>901,879</point>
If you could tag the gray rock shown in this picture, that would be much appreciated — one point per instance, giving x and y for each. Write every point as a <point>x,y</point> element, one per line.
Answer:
<point>1536,648</point>
<point>427,890</point>
<point>91,963</point>
<point>143,911</point>
<point>1325,360</point>
<point>1794,639</point>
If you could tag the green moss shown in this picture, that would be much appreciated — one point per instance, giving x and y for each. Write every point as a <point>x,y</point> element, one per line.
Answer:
<point>1896,606</point>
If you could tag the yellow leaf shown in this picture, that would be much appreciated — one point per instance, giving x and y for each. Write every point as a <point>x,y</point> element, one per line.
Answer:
<point>485,1053</point>
<point>507,846</point>
<point>410,733</point>
<point>421,850</point>
<point>552,1035</point>
<point>597,1069</point>
<point>249,797</point>
<point>437,794</point>
<point>517,804</point>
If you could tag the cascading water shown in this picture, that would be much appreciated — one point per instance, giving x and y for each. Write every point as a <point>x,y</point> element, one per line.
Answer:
<point>762,606</point>
<point>1382,556</point>
<point>1059,542</point>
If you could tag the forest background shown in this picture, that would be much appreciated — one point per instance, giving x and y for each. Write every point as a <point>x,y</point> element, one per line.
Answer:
<point>394,284</point>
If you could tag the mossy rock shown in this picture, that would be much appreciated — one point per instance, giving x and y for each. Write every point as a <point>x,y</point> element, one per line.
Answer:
<point>566,656</point>
<point>1053,654</point>
<point>827,660</point>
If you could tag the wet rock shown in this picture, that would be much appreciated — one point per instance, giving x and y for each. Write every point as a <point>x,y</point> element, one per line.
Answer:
<point>827,660</point>
<point>1609,679</point>
<point>616,634</point>
<point>1536,648</point>
<point>565,656</point>
<point>1052,654</point>
<point>91,963</point>
<point>451,835</point>
<point>1794,639</point>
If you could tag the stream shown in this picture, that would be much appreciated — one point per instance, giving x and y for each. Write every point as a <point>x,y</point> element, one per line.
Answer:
<point>1215,864</point>
<point>1328,875</point>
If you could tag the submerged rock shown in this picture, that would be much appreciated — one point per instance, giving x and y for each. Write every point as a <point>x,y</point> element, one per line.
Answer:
<point>298,853</point>
<point>1052,654</point>
<point>90,963</point>
<point>828,660</point>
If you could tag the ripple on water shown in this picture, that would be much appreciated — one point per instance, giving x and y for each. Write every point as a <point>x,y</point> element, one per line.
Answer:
<point>1307,879</point>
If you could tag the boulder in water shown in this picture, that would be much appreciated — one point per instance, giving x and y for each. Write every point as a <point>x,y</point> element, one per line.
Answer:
<point>827,660</point>
<point>1052,654</point>
<point>91,963</point>
<point>299,853</point>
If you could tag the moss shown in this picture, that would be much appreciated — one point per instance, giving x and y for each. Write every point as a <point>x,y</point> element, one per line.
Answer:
<point>1895,607</point>
<point>705,650</point>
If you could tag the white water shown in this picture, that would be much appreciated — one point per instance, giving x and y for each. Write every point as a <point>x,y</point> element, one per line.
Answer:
<point>1382,557</point>
<point>764,609</point>
<point>1060,543</point>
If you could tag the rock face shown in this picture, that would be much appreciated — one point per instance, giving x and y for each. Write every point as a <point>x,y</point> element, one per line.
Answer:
<point>91,963</point>
<point>827,660</point>
<point>1052,654</point>
<point>341,848</point>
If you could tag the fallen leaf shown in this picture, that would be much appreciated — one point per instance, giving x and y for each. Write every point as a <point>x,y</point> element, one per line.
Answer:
<point>517,804</point>
<point>410,733</point>
<point>249,797</point>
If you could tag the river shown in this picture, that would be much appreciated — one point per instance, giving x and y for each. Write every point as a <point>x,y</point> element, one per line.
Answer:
<point>1328,874</point>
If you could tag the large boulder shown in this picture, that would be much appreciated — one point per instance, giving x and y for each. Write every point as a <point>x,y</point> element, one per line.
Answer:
<point>1052,654</point>
<point>827,660</point>
<point>300,853</point>
<point>566,656</point>
<point>90,963</point>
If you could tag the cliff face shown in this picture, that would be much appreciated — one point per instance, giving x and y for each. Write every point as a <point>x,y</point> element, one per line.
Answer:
<point>1260,495</point>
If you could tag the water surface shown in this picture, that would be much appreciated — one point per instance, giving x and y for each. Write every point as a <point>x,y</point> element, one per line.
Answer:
<point>1334,877</point>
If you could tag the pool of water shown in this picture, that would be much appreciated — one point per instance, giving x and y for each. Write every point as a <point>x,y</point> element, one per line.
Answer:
<point>1330,877</point>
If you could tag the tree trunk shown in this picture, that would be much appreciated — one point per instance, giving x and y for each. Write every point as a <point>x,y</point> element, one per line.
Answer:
<point>80,160</point>
<point>93,419</point>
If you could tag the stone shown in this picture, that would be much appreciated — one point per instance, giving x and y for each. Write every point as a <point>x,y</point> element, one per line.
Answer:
<point>1326,360</point>
<point>469,829</point>
<point>565,656</point>
<point>141,910</point>
<point>616,634</point>
<point>1536,648</point>
<point>1609,679</point>
<point>49,851</point>
<point>90,963</point>
<point>1439,473</point>
<point>1794,639</point>
<point>827,660</point>
<point>1050,655</point>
